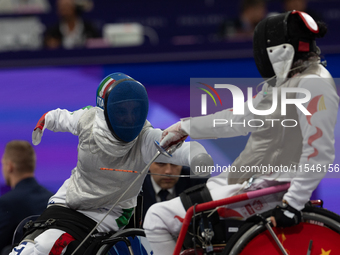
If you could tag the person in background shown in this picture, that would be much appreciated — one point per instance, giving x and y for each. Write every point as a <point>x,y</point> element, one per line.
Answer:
<point>301,5</point>
<point>242,28</point>
<point>27,196</point>
<point>24,7</point>
<point>158,188</point>
<point>72,31</point>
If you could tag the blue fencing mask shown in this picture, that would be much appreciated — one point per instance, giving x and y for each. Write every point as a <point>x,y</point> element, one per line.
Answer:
<point>126,107</point>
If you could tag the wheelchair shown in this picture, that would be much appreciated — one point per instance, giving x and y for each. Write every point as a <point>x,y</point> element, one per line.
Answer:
<point>318,233</point>
<point>129,241</point>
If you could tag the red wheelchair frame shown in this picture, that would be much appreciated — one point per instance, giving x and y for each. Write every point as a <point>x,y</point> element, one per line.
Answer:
<point>329,216</point>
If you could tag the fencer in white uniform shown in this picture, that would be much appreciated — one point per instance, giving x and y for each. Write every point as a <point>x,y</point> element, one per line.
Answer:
<point>114,134</point>
<point>287,57</point>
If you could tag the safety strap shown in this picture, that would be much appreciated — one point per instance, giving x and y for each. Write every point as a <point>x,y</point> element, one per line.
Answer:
<point>59,217</point>
<point>196,194</point>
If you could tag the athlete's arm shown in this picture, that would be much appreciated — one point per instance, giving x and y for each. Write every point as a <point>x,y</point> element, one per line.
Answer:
<point>182,156</point>
<point>318,139</point>
<point>218,125</point>
<point>59,120</point>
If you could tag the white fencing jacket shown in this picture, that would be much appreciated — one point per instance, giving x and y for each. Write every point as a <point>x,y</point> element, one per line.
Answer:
<point>308,148</point>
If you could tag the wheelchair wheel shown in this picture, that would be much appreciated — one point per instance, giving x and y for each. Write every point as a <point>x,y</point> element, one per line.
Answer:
<point>319,232</point>
<point>126,242</point>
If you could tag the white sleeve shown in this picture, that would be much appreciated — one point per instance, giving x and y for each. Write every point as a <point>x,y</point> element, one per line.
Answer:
<point>64,121</point>
<point>182,156</point>
<point>221,124</point>
<point>318,139</point>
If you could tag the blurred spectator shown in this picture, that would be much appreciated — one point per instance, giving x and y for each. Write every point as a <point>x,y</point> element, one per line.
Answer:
<point>24,6</point>
<point>27,197</point>
<point>242,28</point>
<point>301,5</point>
<point>72,31</point>
<point>157,188</point>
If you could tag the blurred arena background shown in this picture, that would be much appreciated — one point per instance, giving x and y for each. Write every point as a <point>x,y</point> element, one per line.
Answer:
<point>162,44</point>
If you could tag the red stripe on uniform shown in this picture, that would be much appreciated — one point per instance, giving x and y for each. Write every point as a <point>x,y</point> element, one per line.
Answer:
<point>61,243</point>
<point>312,107</point>
<point>311,139</point>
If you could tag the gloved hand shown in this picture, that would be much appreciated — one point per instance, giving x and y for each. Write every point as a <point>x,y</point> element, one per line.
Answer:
<point>172,135</point>
<point>285,216</point>
<point>38,130</point>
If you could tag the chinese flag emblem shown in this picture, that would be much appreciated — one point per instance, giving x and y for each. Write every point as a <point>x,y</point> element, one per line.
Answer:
<point>296,241</point>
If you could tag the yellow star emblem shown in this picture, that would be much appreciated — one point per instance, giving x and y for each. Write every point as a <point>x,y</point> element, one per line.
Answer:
<point>322,105</point>
<point>323,252</point>
<point>283,237</point>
